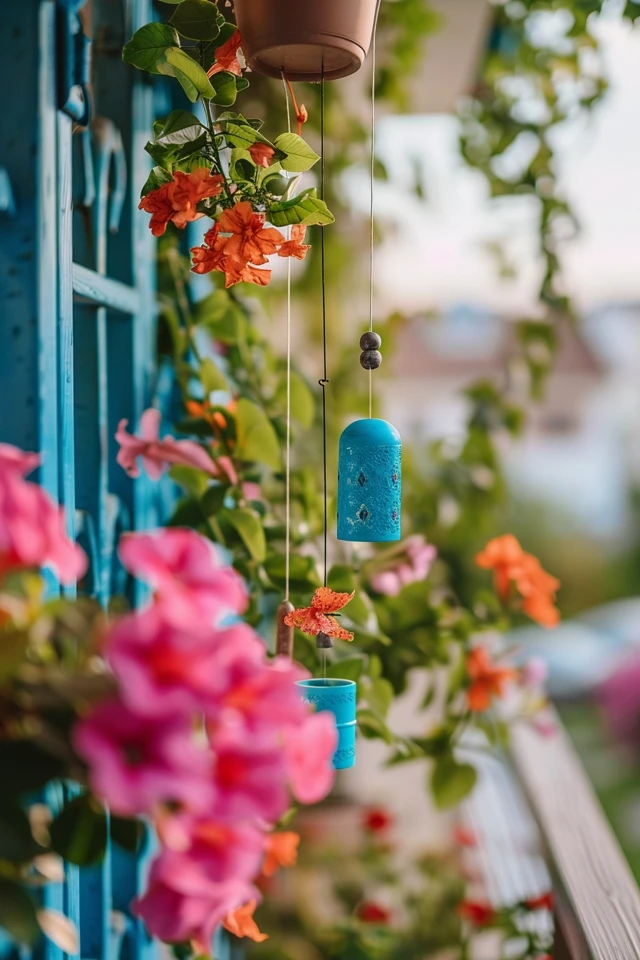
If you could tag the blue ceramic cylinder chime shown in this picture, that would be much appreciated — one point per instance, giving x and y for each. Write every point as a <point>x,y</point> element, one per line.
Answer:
<point>339,698</point>
<point>369,482</point>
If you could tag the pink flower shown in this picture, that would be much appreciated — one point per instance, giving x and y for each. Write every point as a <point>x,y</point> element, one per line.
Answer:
<point>186,571</point>
<point>309,751</point>
<point>261,695</point>
<point>411,565</point>
<point>183,903</point>
<point>249,778</point>
<point>162,668</point>
<point>224,851</point>
<point>32,527</point>
<point>136,763</point>
<point>619,696</point>
<point>158,455</point>
<point>534,674</point>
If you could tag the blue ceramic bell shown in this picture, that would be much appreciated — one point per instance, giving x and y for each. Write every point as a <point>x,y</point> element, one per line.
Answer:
<point>369,482</point>
<point>339,697</point>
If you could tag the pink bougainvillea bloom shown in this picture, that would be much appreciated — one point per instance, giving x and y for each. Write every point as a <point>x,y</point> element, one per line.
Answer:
<point>187,573</point>
<point>183,904</point>
<point>32,526</point>
<point>309,751</point>
<point>249,777</point>
<point>158,455</point>
<point>136,763</point>
<point>20,461</point>
<point>164,668</point>
<point>223,851</point>
<point>410,566</point>
<point>261,695</point>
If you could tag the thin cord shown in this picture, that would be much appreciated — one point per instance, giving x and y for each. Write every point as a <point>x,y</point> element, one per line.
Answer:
<point>371,202</point>
<point>324,381</point>
<point>287,482</point>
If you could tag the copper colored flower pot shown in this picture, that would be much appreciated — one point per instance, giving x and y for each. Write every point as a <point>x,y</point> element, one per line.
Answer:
<point>306,39</point>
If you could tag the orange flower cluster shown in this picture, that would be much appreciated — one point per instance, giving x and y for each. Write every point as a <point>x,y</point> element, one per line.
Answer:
<point>281,851</point>
<point>511,565</point>
<point>487,679</point>
<point>177,200</point>
<point>239,242</point>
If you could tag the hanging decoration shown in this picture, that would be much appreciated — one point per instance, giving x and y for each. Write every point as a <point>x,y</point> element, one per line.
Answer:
<point>370,455</point>
<point>319,619</point>
<point>306,39</point>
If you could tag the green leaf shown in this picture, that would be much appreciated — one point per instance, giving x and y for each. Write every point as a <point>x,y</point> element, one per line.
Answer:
<point>211,376</point>
<point>249,526</point>
<point>156,178</point>
<point>180,127</point>
<point>348,669</point>
<point>212,499</point>
<point>302,572</point>
<point>225,88</point>
<point>196,20</point>
<point>149,45</point>
<point>306,208</point>
<point>127,833</point>
<point>191,479</point>
<point>373,727</point>
<point>189,74</point>
<point>303,405</point>
<point>241,136</point>
<point>79,832</point>
<point>16,840</point>
<point>172,1</point>
<point>451,781</point>
<point>18,913</point>
<point>257,439</point>
<point>299,155</point>
<point>222,317</point>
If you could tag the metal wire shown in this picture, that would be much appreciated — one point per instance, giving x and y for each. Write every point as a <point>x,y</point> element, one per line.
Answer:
<point>324,381</point>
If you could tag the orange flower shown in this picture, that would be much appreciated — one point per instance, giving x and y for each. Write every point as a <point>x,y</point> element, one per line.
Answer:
<point>487,680</point>
<point>240,922</point>
<point>158,203</point>
<point>177,200</point>
<point>294,247</point>
<point>237,241</point>
<point>227,56</point>
<point>316,618</point>
<point>282,851</point>
<point>261,154</point>
<point>301,111</point>
<point>512,565</point>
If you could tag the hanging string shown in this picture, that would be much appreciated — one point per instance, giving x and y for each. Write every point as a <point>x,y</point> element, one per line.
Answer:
<point>324,381</point>
<point>287,474</point>
<point>371,201</point>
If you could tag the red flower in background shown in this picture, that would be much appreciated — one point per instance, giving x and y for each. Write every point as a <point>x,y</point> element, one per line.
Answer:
<point>476,912</point>
<point>370,912</point>
<point>377,820</point>
<point>543,902</point>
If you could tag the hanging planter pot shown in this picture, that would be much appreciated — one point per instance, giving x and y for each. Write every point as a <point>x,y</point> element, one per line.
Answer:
<point>339,698</point>
<point>306,39</point>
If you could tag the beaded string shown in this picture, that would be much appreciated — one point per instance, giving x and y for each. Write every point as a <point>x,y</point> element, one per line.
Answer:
<point>287,482</point>
<point>371,202</point>
<point>324,381</point>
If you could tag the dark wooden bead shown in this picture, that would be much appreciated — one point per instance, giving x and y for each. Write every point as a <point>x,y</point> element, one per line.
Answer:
<point>370,341</point>
<point>323,641</point>
<point>370,359</point>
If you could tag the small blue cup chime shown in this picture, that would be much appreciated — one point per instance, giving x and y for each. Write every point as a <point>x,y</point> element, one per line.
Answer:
<point>339,698</point>
<point>369,482</point>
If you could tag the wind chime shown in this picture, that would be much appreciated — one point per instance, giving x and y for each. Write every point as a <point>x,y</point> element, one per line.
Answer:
<point>316,41</point>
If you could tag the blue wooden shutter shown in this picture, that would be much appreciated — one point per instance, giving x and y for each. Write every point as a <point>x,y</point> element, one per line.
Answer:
<point>77,331</point>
